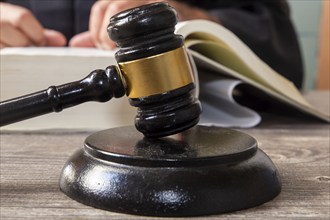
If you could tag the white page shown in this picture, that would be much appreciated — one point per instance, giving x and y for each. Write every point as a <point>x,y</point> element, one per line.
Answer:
<point>220,108</point>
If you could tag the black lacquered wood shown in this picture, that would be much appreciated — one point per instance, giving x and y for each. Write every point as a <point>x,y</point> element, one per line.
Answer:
<point>98,86</point>
<point>144,31</point>
<point>201,171</point>
<point>150,31</point>
<point>140,33</point>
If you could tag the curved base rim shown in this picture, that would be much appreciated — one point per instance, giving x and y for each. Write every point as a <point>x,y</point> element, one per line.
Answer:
<point>172,191</point>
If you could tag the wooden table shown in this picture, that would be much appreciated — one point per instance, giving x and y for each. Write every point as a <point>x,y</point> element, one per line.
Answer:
<point>31,164</point>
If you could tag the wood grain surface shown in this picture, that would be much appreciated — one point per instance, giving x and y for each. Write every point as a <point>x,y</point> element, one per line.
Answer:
<point>31,164</point>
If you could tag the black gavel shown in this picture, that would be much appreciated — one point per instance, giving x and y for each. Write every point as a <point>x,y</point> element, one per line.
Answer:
<point>153,71</point>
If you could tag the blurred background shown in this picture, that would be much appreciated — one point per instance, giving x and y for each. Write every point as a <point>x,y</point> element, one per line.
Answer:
<point>311,19</point>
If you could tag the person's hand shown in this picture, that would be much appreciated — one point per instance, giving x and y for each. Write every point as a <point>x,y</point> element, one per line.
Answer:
<point>102,10</point>
<point>19,28</point>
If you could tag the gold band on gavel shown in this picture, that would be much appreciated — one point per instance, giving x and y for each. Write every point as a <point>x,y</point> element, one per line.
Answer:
<point>156,74</point>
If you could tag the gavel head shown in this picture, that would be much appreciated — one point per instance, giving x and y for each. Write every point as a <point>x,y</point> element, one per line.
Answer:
<point>155,69</point>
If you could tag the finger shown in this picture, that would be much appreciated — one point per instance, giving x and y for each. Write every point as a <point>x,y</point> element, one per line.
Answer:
<point>82,40</point>
<point>12,36</point>
<point>25,21</point>
<point>32,28</point>
<point>96,20</point>
<point>2,45</point>
<point>104,40</point>
<point>54,38</point>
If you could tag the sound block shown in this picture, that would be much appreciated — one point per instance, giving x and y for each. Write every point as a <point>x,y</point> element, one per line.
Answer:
<point>201,171</point>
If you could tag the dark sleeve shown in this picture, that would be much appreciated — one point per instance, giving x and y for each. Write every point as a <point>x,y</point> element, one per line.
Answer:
<point>265,26</point>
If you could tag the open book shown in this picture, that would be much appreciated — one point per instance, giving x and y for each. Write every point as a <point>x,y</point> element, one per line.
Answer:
<point>224,62</point>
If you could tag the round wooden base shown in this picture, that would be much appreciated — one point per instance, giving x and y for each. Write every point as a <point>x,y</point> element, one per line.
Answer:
<point>201,171</point>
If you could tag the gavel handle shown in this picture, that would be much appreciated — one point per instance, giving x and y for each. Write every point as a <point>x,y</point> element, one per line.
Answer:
<point>99,85</point>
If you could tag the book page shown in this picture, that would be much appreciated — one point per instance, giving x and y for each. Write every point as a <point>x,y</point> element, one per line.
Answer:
<point>205,62</point>
<point>27,70</point>
<point>230,51</point>
<point>57,51</point>
<point>220,108</point>
<point>220,47</point>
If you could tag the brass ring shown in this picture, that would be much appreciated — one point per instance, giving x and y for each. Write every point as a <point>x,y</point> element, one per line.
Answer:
<point>156,74</point>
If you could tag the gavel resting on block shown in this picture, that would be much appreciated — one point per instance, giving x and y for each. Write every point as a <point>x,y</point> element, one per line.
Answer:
<point>153,70</point>
<point>175,168</point>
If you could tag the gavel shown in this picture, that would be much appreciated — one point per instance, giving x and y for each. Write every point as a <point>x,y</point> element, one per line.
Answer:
<point>153,71</point>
